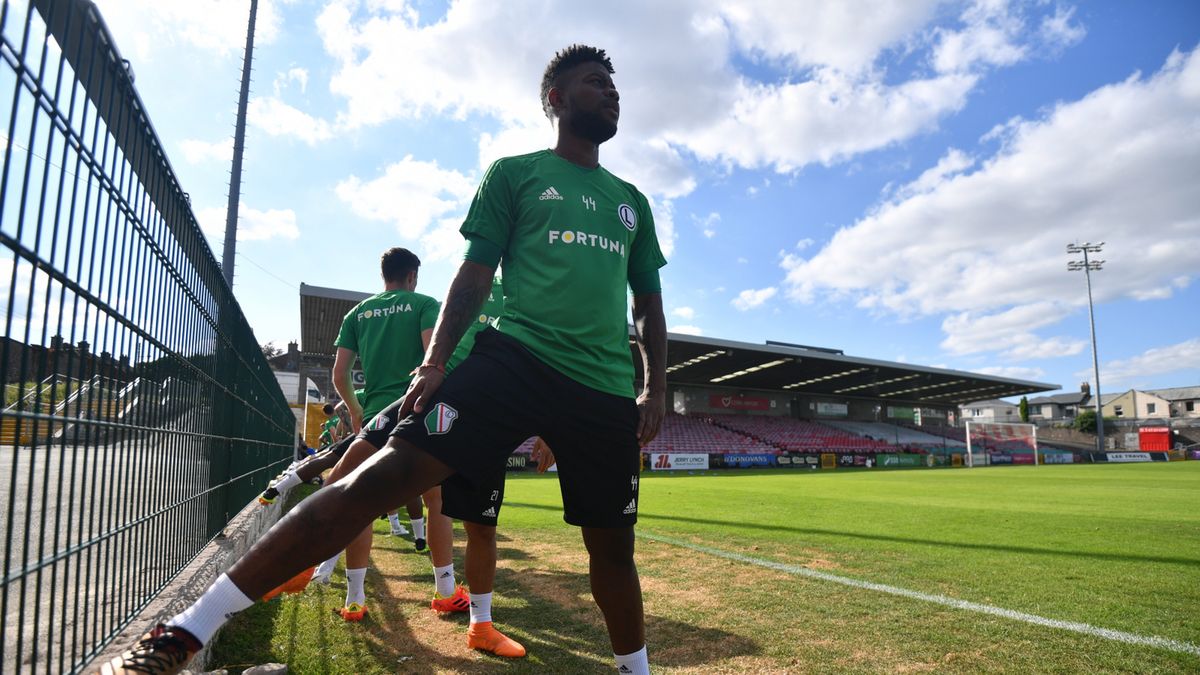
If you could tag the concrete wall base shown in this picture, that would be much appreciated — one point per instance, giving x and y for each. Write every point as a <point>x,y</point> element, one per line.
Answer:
<point>213,561</point>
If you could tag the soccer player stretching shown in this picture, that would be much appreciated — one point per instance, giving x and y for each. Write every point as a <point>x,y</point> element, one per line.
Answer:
<point>570,238</point>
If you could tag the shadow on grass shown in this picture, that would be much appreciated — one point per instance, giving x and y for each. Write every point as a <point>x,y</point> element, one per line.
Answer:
<point>563,628</point>
<point>746,525</point>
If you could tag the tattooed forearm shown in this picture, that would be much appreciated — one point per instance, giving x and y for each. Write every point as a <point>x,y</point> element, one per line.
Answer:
<point>467,293</point>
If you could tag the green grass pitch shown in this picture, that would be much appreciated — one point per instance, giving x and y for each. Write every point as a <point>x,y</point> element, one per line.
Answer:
<point>1114,547</point>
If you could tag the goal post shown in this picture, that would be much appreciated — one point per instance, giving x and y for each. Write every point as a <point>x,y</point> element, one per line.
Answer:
<point>1001,443</point>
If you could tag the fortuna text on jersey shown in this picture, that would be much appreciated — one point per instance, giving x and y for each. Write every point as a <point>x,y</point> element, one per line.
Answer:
<point>594,240</point>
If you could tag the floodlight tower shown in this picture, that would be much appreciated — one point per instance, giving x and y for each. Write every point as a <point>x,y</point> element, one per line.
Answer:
<point>239,146</point>
<point>1087,265</point>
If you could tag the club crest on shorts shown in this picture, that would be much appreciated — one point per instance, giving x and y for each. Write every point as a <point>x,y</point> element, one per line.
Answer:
<point>439,419</point>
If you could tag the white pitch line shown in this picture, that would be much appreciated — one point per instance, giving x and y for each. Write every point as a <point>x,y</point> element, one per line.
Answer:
<point>1074,626</point>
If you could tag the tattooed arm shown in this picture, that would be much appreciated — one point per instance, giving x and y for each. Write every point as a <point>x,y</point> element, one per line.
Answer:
<point>468,290</point>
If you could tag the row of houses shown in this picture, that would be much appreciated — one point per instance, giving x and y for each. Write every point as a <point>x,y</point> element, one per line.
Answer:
<point>1173,403</point>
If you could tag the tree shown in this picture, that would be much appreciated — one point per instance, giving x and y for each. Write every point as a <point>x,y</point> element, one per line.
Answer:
<point>1086,422</point>
<point>1023,408</point>
<point>270,351</point>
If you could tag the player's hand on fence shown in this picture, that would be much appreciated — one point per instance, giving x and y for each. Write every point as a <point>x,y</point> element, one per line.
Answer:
<point>421,389</point>
<point>652,408</point>
<point>542,454</point>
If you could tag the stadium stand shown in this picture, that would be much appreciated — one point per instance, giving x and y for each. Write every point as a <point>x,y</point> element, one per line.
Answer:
<point>680,433</point>
<point>894,434</point>
<point>787,434</point>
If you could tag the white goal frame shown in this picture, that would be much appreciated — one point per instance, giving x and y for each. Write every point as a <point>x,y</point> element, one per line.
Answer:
<point>969,460</point>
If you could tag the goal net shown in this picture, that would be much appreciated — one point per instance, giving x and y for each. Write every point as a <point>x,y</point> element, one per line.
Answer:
<point>1001,443</point>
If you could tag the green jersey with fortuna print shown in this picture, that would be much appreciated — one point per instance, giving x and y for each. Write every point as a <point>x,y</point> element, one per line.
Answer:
<point>385,331</point>
<point>488,315</point>
<point>570,239</point>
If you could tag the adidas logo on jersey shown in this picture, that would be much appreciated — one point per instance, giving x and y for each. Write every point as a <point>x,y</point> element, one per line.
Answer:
<point>550,193</point>
<point>632,508</point>
<point>490,513</point>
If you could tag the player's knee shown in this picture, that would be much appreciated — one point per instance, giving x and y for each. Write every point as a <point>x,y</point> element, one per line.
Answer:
<point>484,535</point>
<point>610,547</point>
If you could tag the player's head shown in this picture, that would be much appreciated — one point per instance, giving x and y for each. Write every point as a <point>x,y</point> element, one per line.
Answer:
<point>399,267</point>
<point>327,409</point>
<point>578,92</point>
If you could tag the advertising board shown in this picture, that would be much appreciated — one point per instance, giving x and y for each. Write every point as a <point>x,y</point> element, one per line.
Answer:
<point>672,461</point>
<point>746,460</point>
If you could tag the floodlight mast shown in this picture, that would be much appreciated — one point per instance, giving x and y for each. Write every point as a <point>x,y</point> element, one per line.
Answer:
<point>1087,265</point>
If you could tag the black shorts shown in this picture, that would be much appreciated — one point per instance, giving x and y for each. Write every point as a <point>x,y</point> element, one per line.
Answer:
<point>501,395</point>
<point>475,503</point>
<point>377,429</point>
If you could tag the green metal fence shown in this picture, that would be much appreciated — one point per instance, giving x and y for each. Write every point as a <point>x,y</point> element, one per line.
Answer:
<point>139,414</point>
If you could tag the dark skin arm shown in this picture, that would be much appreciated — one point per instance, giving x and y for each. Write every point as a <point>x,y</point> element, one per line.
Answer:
<point>468,291</point>
<point>650,332</point>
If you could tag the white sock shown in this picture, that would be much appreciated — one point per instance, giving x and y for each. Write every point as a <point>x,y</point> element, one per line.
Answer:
<point>218,604</point>
<point>418,526</point>
<point>289,481</point>
<point>354,586</point>
<point>394,520</point>
<point>633,664</point>
<point>326,568</point>
<point>481,607</point>
<point>444,578</point>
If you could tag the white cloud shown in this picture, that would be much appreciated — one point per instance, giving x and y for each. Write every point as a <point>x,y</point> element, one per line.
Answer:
<point>686,330</point>
<point>751,298</point>
<point>1176,358</point>
<point>804,243</point>
<point>1120,165</point>
<point>1058,29</point>
<point>145,27</point>
<point>197,151</point>
<point>954,162</point>
<point>685,313</point>
<point>835,99</point>
<point>1010,331</point>
<point>991,36</point>
<point>412,195</point>
<point>708,223</point>
<point>284,79</point>
<point>1015,372</point>
<point>280,119</point>
<point>253,224</point>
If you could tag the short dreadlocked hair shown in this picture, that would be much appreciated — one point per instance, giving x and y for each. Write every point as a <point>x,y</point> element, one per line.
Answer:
<point>565,60</point>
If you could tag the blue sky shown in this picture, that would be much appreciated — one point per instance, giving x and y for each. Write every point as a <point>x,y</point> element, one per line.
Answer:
<point>897,180</point>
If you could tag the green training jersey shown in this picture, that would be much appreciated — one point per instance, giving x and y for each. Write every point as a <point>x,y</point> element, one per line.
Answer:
<point>570,239</point>
<point>385,331</point>
<point>488,315</point>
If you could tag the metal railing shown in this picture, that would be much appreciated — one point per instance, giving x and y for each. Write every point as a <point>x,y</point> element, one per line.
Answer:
<point>169,420</point>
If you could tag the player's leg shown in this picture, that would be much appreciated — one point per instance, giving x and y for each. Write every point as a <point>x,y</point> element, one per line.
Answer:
<point>599,464</point>
<point>398,529</point>
<point>305,471</point>
<point>448,597</point>
<point>318,527</point>
<point>616,587</point>
<point>358,552</point>
<point>416,519</point>
<point>477,505</point>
